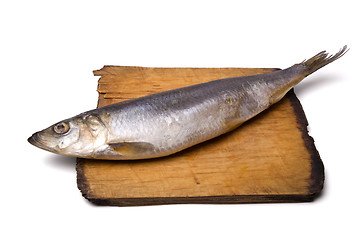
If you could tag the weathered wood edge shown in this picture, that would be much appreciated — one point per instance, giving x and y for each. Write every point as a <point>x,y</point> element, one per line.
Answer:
<point>126,202</point>
<point>101,71</point>
<point>317,167</point>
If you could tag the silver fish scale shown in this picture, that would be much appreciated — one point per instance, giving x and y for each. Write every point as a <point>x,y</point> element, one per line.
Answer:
<point>170,120</point>
<point>164,123</point>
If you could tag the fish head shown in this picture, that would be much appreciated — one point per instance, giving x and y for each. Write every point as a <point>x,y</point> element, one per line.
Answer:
<point>79,136</point>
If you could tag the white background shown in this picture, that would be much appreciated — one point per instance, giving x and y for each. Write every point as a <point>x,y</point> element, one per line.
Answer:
<point>48,50</point>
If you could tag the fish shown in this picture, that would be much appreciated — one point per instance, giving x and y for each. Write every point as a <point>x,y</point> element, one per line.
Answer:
<point>165,123</point>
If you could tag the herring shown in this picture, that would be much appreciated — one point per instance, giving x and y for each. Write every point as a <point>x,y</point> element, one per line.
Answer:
<point>165,123</point>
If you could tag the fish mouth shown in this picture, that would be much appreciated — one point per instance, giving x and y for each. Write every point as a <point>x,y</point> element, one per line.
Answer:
<point>32,140</point>
<point>36,140</point>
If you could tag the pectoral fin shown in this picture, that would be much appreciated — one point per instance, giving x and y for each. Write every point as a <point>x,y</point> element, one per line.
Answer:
<point>132,149</point>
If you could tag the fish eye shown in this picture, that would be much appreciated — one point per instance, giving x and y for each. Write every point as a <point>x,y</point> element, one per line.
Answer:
<point>61,128</point>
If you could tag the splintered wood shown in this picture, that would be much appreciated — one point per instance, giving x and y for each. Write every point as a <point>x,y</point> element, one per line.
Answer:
<point>271,158</point>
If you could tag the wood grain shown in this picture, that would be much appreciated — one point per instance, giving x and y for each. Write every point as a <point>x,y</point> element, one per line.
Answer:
<point>271,158</point>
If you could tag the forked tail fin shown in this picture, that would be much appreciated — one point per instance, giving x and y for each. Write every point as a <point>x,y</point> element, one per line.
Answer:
<point>321,59</point>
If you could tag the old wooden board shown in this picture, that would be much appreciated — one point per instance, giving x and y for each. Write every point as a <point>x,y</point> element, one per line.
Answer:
<point>271,158</point>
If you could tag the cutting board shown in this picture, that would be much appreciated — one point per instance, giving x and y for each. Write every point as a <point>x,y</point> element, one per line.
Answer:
<point>271,158</point>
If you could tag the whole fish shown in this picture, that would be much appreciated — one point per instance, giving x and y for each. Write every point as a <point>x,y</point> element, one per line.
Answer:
<point>168,122</point>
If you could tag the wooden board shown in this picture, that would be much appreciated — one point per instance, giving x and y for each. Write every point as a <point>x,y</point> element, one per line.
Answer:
<point>271,158</point>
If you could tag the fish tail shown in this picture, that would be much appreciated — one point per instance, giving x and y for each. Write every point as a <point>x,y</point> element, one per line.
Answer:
<point>321,59</point>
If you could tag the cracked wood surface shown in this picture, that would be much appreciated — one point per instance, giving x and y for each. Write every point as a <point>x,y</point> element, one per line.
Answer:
<point>271,158</point>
